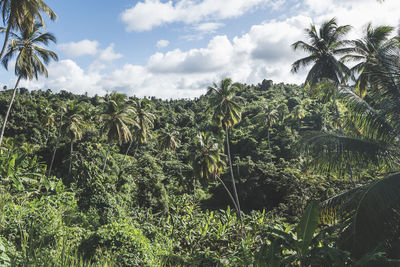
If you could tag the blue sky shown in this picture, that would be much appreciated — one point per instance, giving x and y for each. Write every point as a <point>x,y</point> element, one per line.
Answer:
<point>174,49</point>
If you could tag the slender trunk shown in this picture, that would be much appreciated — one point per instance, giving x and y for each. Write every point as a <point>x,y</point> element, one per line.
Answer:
<point>3,127</point>
<point>269,146</point>
<point>179,164</point>
<point>48,134</point>
<point>55,148</point>
<point>105,160</point>
<point>127,151</point>
<point>5,41</point>
<point>233,178</point>
<point>238,171</point>
<point>351,176</point>
<point>70,156</point>
<point>227,190</point>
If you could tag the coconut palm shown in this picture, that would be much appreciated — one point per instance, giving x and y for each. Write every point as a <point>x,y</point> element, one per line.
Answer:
<point>367,52</point>
<point>225,108</point>
<point>116,116</point>
<point>323,47</point>
<point>370,213</point>
<point>48,121</point>
<point>209,161</point>
<point>271,117</point>
<point>21,15</point>
<point>29,59</point>
<point>73,126</point>
<point>144,120</point>
<point>170,141</point>
<point>62,111</point>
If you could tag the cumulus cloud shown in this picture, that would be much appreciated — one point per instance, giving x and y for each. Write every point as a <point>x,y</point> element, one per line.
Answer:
<point>208,27</point>
<point>67,75</point>
<point>141,17</point>
<point>109,54</point>
<point>263,52</point>
<point>162,43</point>
<point>81,48</point>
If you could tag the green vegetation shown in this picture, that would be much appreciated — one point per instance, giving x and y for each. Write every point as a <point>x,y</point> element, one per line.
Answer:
<point>245,175</point>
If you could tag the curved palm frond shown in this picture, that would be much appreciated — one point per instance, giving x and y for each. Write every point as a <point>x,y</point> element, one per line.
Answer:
<point>370,214</point>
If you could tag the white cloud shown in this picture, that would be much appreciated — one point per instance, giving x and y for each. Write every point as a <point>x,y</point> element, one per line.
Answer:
<point>142,17</point>
<point>109,54</point>
<point>81,48</point>
<point>208,27</point>
<point>261,53</point>
<point>162,43</point>
<point>67,75</point>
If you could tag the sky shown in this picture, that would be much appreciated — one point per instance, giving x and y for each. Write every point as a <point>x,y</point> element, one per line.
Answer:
<point>175,49</point>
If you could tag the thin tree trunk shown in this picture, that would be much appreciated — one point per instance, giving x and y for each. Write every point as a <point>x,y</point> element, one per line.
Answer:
<point>3,127</point>
<point>70,156</point>
<point>269,147</point>
<point>127,151</point>
<point>179,164</point>
<point>227,190</point>
<point>48,134</point>
<point>105,160</point>
<point>5,41</point>
<point>58,139</point>
<point>233,178</point>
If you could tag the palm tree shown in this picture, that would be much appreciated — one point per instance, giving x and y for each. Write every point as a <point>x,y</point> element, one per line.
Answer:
<point>144,120</point>
<point>223,103</point>
<point>367,52</point>
<point>209,162</point>
<point>116,116</point>
<point>48,120</point>
<point>371,138</point>
<point>169,141</point>
<point>29,63</point>
<point>73,126</point>
<point>271,117</point>
<point>21,15</point>
<point>62,111</point>
<point>323,48</point>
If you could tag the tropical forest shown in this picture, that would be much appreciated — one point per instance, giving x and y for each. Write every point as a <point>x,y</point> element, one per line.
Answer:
<point>266,174</point>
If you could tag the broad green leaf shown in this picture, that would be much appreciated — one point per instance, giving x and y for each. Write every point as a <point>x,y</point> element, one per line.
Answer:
<point>307,225</point>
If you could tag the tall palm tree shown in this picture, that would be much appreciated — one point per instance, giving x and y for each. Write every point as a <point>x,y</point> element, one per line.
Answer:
<point>48,120</point>
<point>144,120</point>
<point>224,104</point>
<point>73,126</point>
<point>323,47</point>
<point>170,141</point>
<point>62,111</point>
<point>116,116</point>
<point>367,52</point>
<point>370,213</point>
<point>19,15</point>
<point>209,161</point>
<point>271,117</point>
<point>28,63</point>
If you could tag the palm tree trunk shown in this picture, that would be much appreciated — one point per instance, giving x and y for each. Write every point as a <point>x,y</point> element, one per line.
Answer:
<point>179,164</point>
<point>48,134</point>
<point>70,156</point>
<point>3,127</point>
<point>227,190</point>
<point>269,146</point>
<point>233,178</point>
<point>105,160</point>
<point>5,40</point>
<point>127,151</point>
<point>55,148</point>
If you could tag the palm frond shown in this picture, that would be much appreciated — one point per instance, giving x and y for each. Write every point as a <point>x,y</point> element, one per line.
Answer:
<point>370,214</point>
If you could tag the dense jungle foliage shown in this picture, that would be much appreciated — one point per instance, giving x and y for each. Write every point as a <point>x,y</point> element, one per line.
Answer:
<point>271,174</point>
